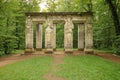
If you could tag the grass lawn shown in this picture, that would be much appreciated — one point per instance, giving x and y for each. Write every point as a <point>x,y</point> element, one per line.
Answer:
<point>30,69</point>
<point>74,67</point>
<point>88,68</point>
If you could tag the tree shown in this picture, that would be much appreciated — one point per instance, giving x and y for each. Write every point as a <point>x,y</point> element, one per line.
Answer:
<point>12,22</point>
<point>113,6</point>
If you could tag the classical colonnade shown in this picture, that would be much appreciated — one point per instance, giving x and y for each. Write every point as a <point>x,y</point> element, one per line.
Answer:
<point>50,19</point>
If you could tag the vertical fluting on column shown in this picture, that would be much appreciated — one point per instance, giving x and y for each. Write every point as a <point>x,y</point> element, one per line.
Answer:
<point>68,34</point>
<point>39,36</point>
<point>29,35</point>
<point>81,36</point>
<point>54,36</point>
<point>88,36</point>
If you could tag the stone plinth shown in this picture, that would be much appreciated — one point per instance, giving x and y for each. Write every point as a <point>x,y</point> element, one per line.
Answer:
<point>89,51</point>
<point>68,50</point>
<point>28,51</point>
<point>49,50</point>
<point>38,49</point>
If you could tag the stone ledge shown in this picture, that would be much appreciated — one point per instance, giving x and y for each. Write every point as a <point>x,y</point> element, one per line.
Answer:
<point>54,49</point>
<point>68,50</point>
<point>38,49</point>
<point>88,51</point>
<point>82,49</point>
<point>29,51</point>
<point>49,50</point>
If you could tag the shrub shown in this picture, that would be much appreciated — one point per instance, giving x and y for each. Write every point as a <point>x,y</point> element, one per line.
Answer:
<point>7,44</point>
<point>117,45</point>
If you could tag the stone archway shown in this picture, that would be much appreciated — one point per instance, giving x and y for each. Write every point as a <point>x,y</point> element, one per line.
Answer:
<point>85,34</point>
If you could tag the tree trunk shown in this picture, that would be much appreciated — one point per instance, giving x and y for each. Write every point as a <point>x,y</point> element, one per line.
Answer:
<point>115,16</point>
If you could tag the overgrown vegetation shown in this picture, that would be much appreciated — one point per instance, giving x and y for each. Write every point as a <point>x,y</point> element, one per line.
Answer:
<point>12,23</point>
<point>106,21</point>
<point>7,44</point>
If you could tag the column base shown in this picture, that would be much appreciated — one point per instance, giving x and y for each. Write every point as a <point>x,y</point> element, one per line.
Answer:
<point>48,50</point>
<point>54,49</point>
<point>29,51</point>
<point>82,49</point>
<point>68,50</point>
<point>38,49</point>
<point>88,51</point>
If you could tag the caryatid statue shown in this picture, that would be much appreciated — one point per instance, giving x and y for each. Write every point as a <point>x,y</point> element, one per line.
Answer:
<point>48,32</point>
<point>69,31</point>
<point>29,33</point>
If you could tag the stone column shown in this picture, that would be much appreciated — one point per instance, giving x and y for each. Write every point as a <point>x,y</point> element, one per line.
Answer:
<point>88,36</point>
<point>39,37</point>
<point>29,36</point>
<point>81,37</point>
<point>49,35</point>
<point>68,34</point>
<point>54,36</point>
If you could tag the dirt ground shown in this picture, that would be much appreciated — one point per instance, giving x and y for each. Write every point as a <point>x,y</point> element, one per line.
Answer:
<point>18,57</point>
<point>109,56</point>
<point>57,60</point>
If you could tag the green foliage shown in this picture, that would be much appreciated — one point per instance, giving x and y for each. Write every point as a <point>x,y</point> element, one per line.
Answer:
<point>12,22</point>
<point>75,36</point>
<point>60,36</point>
<point>7,44</point>
<point>88,68</point>
<point>103,27</point>
<point>117,45</point>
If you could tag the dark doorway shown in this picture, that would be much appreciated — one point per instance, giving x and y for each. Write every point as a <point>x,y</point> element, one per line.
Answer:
<point>75,36</point>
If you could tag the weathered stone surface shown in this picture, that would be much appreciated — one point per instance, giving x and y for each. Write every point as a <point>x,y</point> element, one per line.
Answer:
<point>39,36</point>
<point>68,33</point>
<point>88,36</point>
<point>54,37</point>
<point>81,38</point>
<point>85,35</point>
<point>29,35</point>
<point>49,35</point>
